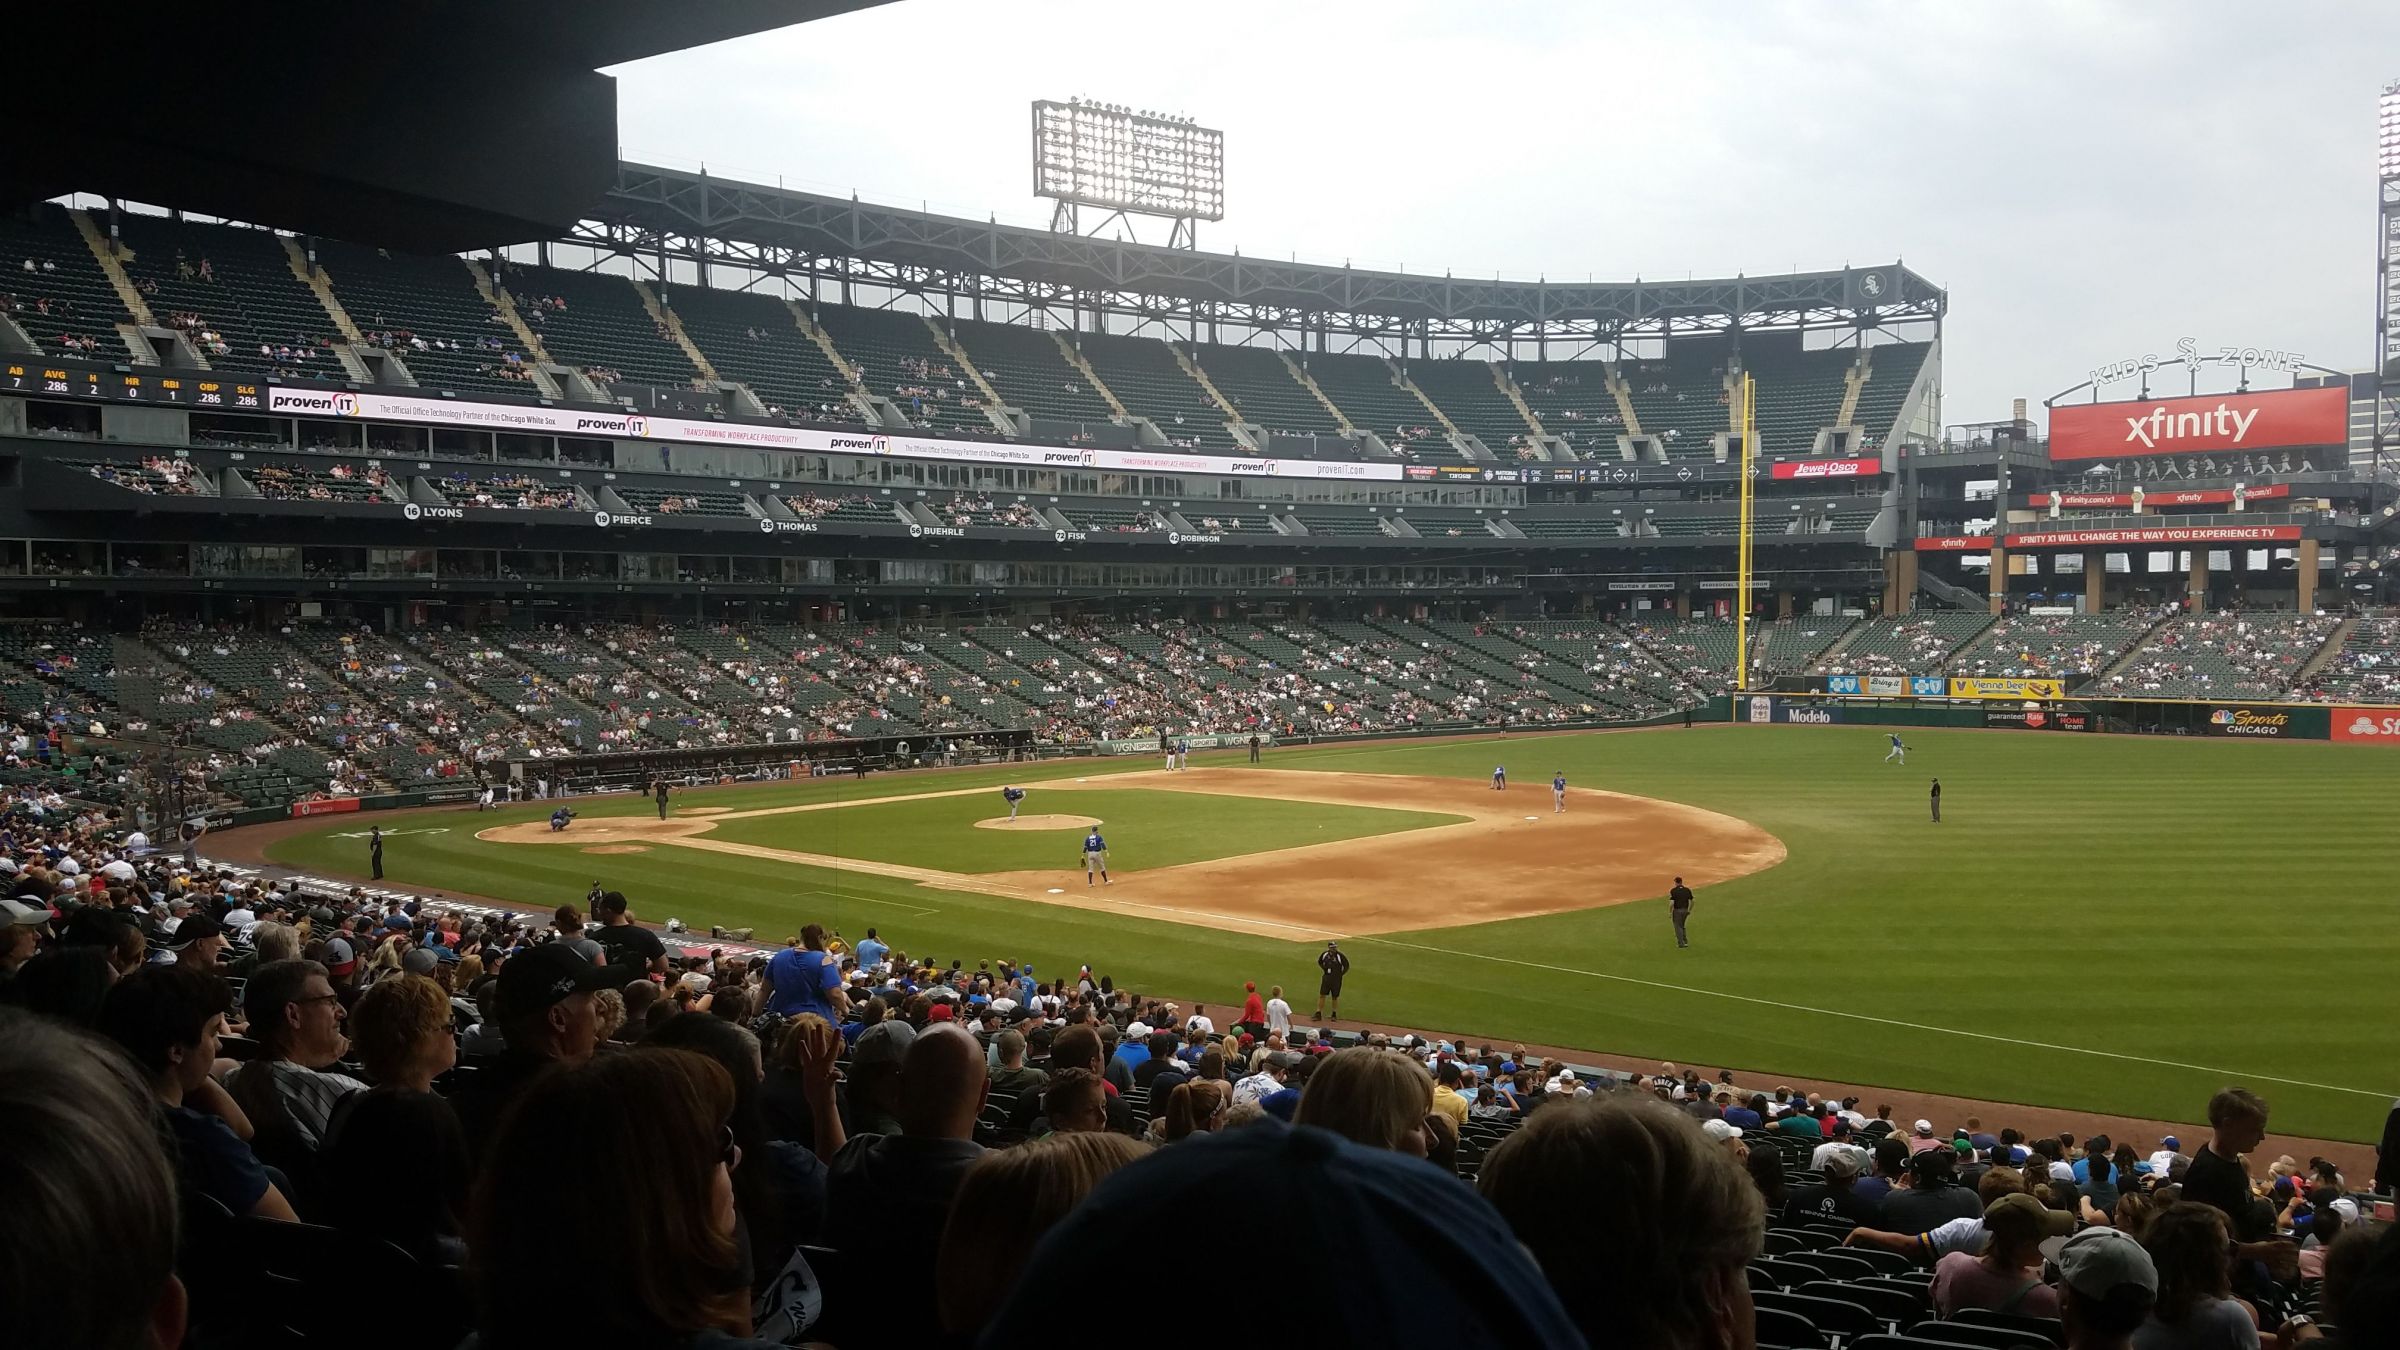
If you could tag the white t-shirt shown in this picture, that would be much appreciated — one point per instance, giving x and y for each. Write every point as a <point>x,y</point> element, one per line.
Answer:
<point>1196,1022</point>
<point>1958,1235</point>
<point>1279,1016</point>
<point>240,918</point>
<point>137,839</point>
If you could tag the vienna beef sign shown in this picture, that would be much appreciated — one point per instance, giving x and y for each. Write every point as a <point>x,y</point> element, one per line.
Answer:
<point>2211,423</point>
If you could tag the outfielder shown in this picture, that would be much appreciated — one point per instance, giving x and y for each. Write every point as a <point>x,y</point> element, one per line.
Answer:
<point>1012,795</point>
<point>1558,793</point>
<point>1095,858</point>
<point>1499,777</point>
<point>1898,751</point>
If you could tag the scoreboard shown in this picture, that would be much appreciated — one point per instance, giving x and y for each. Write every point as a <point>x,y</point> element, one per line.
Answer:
<point>143,384</point>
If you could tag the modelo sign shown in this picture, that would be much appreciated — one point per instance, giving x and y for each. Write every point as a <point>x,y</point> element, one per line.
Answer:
<point>2367,726</point>
<point>2272,724</point>
<point>2212,422</point>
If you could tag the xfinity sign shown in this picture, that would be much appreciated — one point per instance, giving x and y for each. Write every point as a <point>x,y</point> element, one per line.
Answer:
<point>2159,424</point>
<point>2211,423</point>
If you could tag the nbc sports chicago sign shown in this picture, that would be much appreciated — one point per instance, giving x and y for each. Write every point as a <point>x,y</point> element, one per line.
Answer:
<point>2211,422</point>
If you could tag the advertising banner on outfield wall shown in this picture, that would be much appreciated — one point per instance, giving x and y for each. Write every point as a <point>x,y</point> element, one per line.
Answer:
<point>2271,724</point>
<point>2037,719</point>
<point>2272,420</point>
<point>2367,726</point>
<point>2007,688</point>
<point>605,425</point>
<point>1214,740</point>
<point>324,806</point>
<point>1807,714</point>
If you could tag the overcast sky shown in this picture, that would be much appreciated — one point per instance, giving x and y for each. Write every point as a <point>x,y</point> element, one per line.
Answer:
<point>2089,180</point>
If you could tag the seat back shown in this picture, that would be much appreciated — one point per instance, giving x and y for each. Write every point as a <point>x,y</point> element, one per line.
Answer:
<point>1990,1338</point>
<point>2048,1328</point>
<point>1787,1330</point>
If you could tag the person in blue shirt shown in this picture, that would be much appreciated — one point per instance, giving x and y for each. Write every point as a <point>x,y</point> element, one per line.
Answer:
<point>1015,797</point>
<point>805,978</point>
<point>872,949</point>
<point>1898,751</point>
<point>1558,793</point>
<point>1499,777</point>
<point>1095,858</point>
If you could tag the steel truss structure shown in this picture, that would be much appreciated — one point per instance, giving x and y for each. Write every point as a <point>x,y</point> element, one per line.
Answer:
<point>834,248</point>
<point>2387,280</point>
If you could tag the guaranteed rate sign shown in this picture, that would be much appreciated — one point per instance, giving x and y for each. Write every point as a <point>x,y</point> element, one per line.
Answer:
<point>2211,423</point>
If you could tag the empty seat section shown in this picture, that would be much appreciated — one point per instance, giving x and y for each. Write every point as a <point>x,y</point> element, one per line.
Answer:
<point>1351,523</point>
<point>1891,369</point>
<point>1569,527</point>
<point>427,310</point>
<point>1027,368</point>
<point>1682,393</point>
<point>1365,389</point>
<point>596,322</point>
<point>899,359</point>
<point>53,287</point>
<point>238,283</point>
<point>1147,379</point>
<point>1437,522</point>
<point>660,502</point>
<point>1573,402</point>
<point>1465,390</point>
<point>1799,391</point>
<point>752,339</point>
<point>1261,388</point>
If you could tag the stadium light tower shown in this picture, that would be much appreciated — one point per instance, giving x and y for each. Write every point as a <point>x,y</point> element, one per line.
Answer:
<point>1122,163</point>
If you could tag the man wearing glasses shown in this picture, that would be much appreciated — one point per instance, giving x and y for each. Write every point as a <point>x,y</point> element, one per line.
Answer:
<point>296,1018</point>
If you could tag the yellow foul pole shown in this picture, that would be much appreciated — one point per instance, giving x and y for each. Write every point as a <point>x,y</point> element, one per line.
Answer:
<point>1746,406</point>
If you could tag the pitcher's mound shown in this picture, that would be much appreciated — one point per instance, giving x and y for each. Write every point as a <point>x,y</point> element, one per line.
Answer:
<point>1037,823</point>
<point>618,848</point>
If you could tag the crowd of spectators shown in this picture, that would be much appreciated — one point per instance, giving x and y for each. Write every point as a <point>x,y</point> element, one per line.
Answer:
<point>158,475</point>
<point>513,491</point>
<point>580,1132</point>
<point>2226,654</point>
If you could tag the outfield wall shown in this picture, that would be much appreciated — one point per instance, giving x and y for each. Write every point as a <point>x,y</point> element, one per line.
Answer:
<point>2226,718</point>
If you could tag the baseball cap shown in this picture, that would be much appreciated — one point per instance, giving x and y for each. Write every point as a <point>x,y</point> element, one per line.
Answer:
<point>1290,1059</point>
<point>939,1012</point>
<point>420,961</point>
<point>1843,1162</point>
<point>538,977</point>
<point>194,928</point>
<point>2098,1260</point>
<point>886,1042</point>
<point>1925,1127</point>
<point>1422,1260</point>
<point>1720,1130</point>
<point>18,914</point>
<point>2170,1142</point>
<point>2021,1215</point>
<point>1137,1031</point>
<point>339,958</point>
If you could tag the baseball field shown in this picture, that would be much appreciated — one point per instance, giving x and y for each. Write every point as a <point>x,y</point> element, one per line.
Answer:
<point>2099,923</point>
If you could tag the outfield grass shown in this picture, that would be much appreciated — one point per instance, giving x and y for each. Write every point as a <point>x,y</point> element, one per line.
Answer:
<point>1143,828</point>
<point>2103,923</point>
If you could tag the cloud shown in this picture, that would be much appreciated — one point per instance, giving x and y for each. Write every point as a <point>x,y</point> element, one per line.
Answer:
<point>2089,178</point>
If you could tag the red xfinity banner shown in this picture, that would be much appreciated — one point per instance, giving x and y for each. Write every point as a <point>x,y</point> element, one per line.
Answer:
<point>2211,422</point>
<point>2197,534</point>
<point>2194,497</point>
<point>1955,543</point>
<point>1826,468</point>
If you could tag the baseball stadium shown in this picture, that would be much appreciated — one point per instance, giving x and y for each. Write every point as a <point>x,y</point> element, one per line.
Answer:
<point>1581,696</point>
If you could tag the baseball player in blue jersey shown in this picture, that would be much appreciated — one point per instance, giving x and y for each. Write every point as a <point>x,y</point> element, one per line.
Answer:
<point>1499,778</point>
<point>1012,795</point>
<point>1183,754</point>
<point>1095,858</point>
<point>1558,793</point>
<point>1898,751</point>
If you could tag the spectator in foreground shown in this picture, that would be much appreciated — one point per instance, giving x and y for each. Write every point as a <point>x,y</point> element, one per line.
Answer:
<point>401,1032</point>
<point>2107,1286</point>
<point>545,1008</point>
<point>914,1172</point>
<point>296,1018</point>
<point>88,1191</point>
<point>2007,1276</point>
<point>426,1215</point>
<point>168,1018</point>
<point>652,1255</point>
<point>1643,1226</point>
<point>1370,1097</point>
<point>2196,1308</point>
<point>1421,1260</point>
<point>779,1188</point>
<point>1005,1203</point>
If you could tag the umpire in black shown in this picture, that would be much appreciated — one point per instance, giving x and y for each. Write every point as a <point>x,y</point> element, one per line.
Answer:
<point>1679,905</point>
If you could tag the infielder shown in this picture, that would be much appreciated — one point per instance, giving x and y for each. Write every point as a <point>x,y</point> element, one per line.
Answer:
<point>1183,754</point>
<point>1898,751</point>
<point>1095,858</point>
<point>1558,793</point>
<point>1012,795</point>
<point>1499,777</point>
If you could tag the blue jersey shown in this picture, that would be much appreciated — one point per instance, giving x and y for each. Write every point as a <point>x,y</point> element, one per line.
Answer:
<point>1093,843</point>
<point>1014,794</point>
<point>1500,772</point>
<point>1895,740</point>
<point>1559,784</point>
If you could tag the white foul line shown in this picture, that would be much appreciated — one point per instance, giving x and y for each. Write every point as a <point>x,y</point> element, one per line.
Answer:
<point>1880,1021</point>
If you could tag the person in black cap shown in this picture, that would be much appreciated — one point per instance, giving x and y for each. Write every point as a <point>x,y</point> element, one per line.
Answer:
<point>197,942</point>
<point>1332,964</point>
<point>1418,1258</point>
<point>546,1013</point>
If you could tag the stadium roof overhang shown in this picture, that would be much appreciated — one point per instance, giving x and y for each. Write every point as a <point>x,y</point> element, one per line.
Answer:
<point>439,126</point>
<point>655,211</point>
